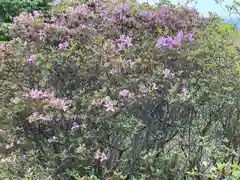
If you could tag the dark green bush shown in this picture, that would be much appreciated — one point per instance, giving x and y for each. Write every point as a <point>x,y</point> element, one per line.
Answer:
<point>4,32</point>
<point>11,8</point>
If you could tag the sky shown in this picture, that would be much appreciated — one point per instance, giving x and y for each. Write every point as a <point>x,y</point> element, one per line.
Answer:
<point>204,6</point>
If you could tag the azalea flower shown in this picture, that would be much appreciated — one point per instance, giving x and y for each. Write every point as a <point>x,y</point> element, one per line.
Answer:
<point>147,13</point>
<point>103,12</point>
<point>36,14</point>
<point>109,106</point>
<point>124,41</point>
<point>100,155</point>
<point>58,103</point>
<point>36,94</point>
<point>164,42</point>
<point>2,47</point>
<point>185,92</point>
<point>103,157</point>
<point>125,7</point>
<point>177,40</point>
<point>124,93</point>
<point>32,59</point>
<point>51,94</point>
<point>97,154</point>
<point>191,37</point>
<point>193,10</point>
<point>63,46</point>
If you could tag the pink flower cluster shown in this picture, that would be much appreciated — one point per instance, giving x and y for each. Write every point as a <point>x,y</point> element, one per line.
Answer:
<point>50,98</point>
<point>79,10</point>
<point>169,42</point>
<point>126,94</point>
<point>63,46</point>
<point>194,11</point>
<point>27,17</point>
<point>109,104</point>
<point>124,41</point>
<point>32,58</point>
<point>2,47</point>
<point>100,155</point>
<point>36,14</point>
<point>151,15</point>
<point>185,93</point>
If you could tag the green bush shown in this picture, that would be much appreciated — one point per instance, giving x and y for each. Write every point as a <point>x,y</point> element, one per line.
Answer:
<point>12,8</point>
<point>4,32</point>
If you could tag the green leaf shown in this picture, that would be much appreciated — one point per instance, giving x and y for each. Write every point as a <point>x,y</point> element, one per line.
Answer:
<point>221,167</point>
<point>142,177</point>
<point>49,65</point>
<point>38,21</point>
<point>236,174</point>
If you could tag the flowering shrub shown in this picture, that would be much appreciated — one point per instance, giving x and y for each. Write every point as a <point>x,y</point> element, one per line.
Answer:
<point>109,88</point>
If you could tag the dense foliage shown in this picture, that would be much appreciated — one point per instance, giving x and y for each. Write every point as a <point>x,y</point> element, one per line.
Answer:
<point>119,90</point>
<point>12,8</point>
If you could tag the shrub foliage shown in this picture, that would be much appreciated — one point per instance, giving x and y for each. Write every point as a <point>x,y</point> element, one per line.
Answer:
<point>117,89</point>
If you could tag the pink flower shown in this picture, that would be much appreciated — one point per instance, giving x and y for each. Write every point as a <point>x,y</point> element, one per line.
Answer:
<point>103,157</point>
<point>35,94</point>
<point>32,59</point>
<point>109,106</point>
<point>36,14</point>
<point>177,40</point>
<point>185,92</point>
<point>2,47</point>
<point>124,41</point>
<point>100,155</point>
<point>124,93</point>
<point>125,7</point>
<point>50,94</point>
<point>58,103</point>
<point>164,42</point>
<point>168,41</point>
<point>149,14</point>
<point>193,10</point>
<point>121,46</point>
<point>63,46</point>
<point>191,37</point>
<point>97,154</point>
